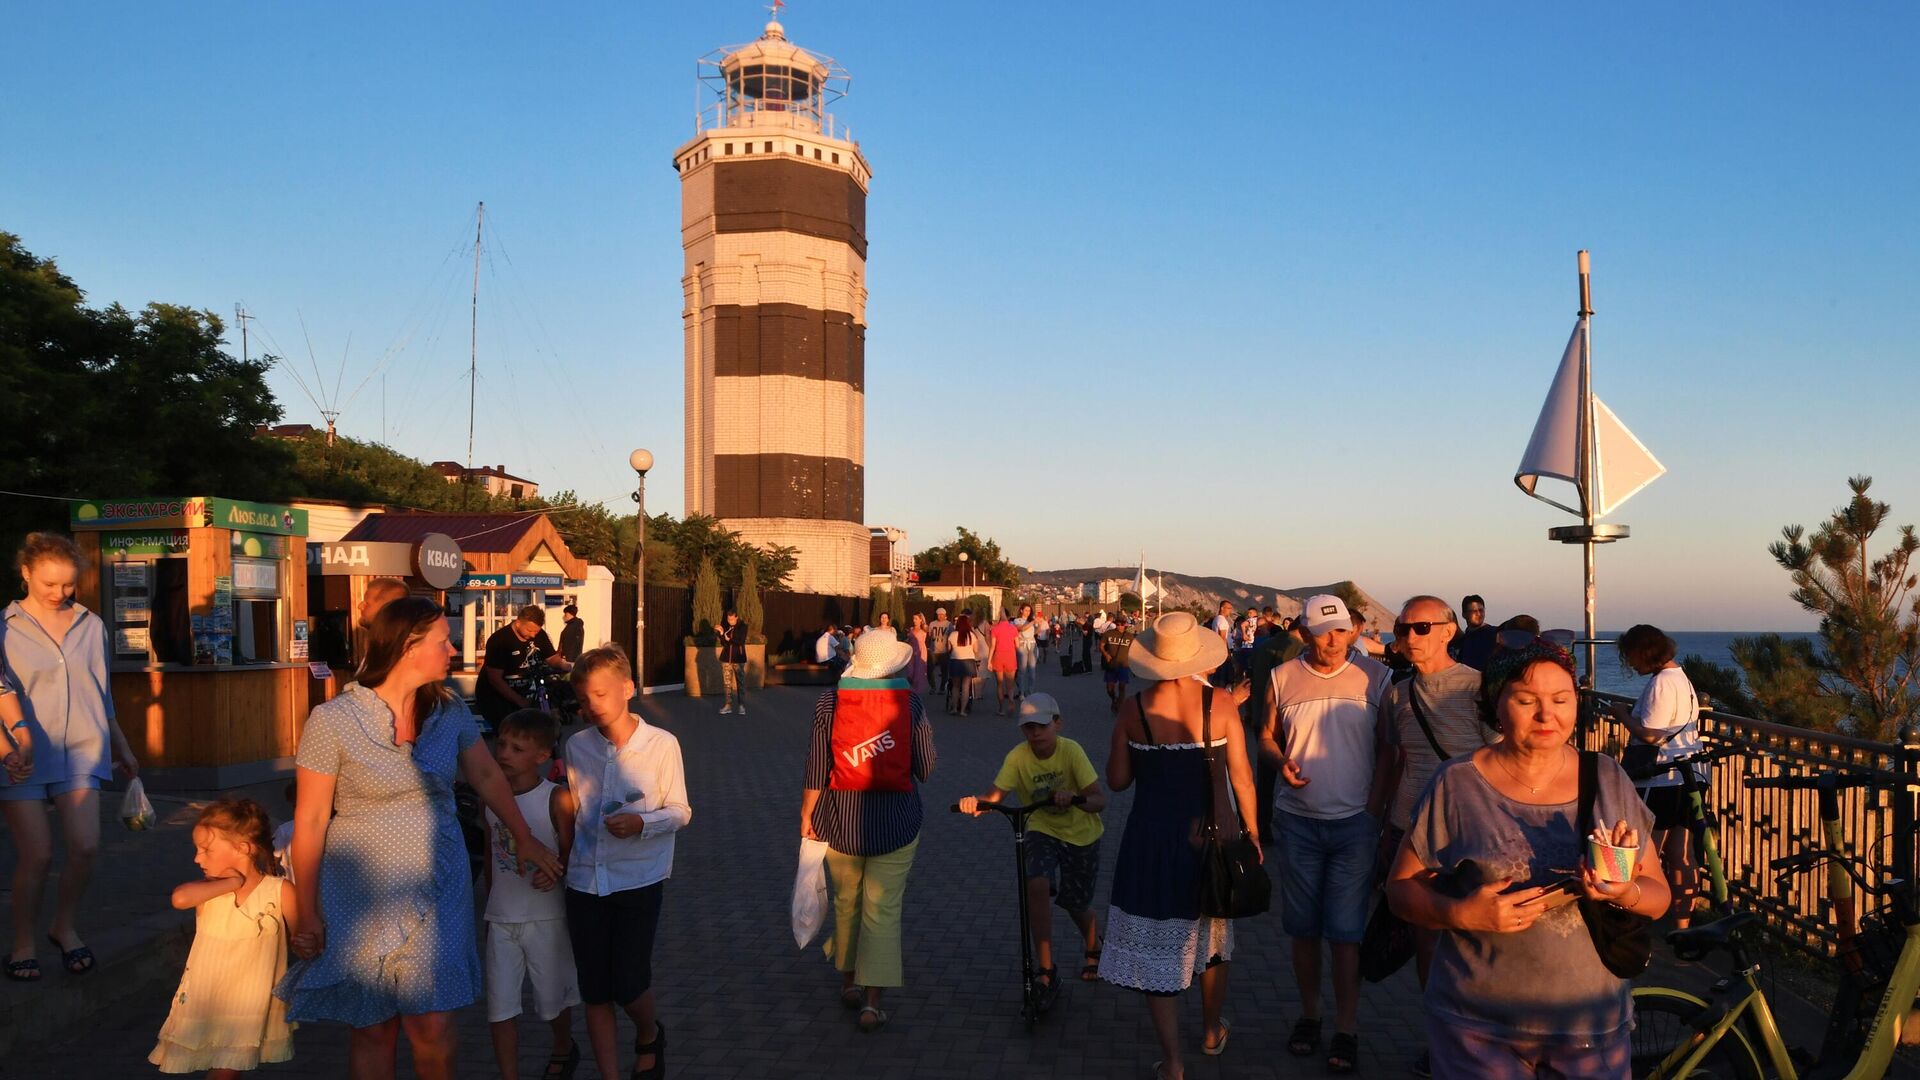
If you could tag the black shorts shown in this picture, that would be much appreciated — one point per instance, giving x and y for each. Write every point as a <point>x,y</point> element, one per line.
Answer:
<point>1671,809</point>
<point>1068,868</point>
<point>612,939</point>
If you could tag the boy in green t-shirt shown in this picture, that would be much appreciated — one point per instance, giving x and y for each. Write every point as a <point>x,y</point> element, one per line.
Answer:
<point>1063,841</point>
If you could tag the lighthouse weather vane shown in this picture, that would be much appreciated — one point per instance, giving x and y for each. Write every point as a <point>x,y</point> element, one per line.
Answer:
<point>773,9</point>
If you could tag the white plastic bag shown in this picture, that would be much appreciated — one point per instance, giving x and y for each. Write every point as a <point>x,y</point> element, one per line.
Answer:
<point>810,892</point>
<point>136,812</point>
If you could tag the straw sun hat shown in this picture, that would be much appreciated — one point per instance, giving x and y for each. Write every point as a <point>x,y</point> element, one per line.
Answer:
<point>1174,647</point>
<point>877,654</point>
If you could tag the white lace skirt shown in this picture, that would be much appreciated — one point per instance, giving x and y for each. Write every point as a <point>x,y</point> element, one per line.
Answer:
<point>1161,956</point>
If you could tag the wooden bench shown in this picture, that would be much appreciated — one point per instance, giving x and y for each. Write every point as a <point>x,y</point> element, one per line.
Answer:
<point>809,674</point>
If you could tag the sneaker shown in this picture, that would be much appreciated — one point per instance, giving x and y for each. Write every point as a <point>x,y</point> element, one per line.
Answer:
<point>742,710</point>
<point>1422,1065</point>
<point>726,710</point>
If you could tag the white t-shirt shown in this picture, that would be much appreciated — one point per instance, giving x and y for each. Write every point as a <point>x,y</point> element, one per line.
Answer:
<point>1325,723</point>
<point>1668,703</point>
<point>823,649</point>
<point>513,898</point>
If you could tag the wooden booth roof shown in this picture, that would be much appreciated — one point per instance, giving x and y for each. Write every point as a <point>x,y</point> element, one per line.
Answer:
<point>492,543</point>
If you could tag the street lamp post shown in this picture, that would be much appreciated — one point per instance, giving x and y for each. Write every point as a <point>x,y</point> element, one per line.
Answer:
<point>641,460</point>
<point>964,597</point>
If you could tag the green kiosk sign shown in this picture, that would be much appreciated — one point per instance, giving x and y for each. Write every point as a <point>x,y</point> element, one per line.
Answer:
<point>198,512</point>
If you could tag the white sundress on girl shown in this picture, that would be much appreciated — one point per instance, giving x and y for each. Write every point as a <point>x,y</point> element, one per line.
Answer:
<point>224,1014</point>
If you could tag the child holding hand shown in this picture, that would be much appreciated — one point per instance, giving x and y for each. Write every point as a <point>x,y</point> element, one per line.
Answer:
<point>526,911</point>
<point>625,798</point>
<point>225,1018</point>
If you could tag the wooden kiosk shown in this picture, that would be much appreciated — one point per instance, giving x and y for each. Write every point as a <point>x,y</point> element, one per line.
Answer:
<point>205,601</point>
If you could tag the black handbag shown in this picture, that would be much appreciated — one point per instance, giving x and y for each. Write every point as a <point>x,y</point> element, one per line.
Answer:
<point>1623,939</point>
<point>1233,884</point>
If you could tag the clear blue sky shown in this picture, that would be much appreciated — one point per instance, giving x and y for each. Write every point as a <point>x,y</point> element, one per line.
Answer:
<point>1327,250</point>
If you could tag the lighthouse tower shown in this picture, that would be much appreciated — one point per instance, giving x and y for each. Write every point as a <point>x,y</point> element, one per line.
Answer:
<point>773,221</point>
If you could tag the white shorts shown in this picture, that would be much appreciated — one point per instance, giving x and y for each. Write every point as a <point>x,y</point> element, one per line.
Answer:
<point>539,951</point>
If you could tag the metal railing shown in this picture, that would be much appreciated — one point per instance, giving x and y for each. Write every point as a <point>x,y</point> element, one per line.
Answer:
<point>1757,826</point>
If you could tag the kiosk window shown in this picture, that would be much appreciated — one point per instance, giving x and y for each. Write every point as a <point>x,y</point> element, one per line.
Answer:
<point>256,611</point>
<point>145,607</point>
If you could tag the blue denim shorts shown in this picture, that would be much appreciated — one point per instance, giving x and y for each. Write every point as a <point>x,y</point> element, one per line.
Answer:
<point>35,792</point>
<point>1326,875</point>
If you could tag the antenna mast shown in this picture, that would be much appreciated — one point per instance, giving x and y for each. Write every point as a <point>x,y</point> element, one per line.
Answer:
<point>473,346</point>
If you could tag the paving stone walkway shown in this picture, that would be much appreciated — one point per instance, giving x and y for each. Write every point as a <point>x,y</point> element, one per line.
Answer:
<point>737,997</point>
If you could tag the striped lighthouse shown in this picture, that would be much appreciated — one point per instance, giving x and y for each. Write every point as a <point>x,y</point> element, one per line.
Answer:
<point>773,209</point>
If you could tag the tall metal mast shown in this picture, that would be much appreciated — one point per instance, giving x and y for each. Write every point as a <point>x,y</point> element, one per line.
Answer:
<point>473,347</point>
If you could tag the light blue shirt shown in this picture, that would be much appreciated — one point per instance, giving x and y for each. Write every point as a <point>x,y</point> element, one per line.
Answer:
<point>64,691</point>
<point>645,777</point>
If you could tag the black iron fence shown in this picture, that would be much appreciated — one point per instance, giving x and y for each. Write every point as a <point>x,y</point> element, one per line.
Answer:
<point>1758,826</point>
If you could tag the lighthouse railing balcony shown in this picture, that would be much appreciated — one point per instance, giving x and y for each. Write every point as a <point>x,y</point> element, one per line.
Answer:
<point>1757,826</point>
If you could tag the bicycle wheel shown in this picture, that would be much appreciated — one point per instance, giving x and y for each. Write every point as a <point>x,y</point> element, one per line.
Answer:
<point>1664,1019</point>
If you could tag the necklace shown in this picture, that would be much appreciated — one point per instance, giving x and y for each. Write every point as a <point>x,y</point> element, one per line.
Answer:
<point>1531,790</point>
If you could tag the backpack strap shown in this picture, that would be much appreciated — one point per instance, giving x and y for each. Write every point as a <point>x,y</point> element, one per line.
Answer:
<point>1420,715</point>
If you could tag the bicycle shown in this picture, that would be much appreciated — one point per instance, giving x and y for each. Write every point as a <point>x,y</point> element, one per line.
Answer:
<point>1732,1033</point>
<point>1702,824</point>
<point>1033,1000</point>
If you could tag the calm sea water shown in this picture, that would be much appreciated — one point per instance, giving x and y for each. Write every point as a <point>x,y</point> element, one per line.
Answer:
<point>1715,646</point>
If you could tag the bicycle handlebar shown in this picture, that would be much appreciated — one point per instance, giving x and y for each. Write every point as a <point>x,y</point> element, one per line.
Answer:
<point>1808,860</point>
<point>1699,757</point>
<point>1010,811</point>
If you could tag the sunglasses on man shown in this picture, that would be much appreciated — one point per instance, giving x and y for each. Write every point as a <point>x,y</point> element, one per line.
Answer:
<point>1418,629</point>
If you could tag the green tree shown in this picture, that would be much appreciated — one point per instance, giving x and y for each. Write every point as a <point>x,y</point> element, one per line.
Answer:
<point>897,607</point>
<point>105,402</point>
<point>747,601</point>
<point>1858,680</point>
<point>983,554</point>
<point>707,612</point>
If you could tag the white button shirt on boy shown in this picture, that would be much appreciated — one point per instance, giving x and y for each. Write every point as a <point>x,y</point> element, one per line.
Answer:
<point>644,777</point>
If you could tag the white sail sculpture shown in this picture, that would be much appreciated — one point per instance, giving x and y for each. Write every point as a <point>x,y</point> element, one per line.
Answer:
<point>1617,462</point>
<point>1578,440</point>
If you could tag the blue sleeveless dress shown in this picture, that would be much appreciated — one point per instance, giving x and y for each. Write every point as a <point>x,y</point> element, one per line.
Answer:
<point>1157,940</point>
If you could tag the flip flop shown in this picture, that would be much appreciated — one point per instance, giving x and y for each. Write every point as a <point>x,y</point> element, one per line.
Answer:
<point>1226,1029</point>
<point>27,970</point>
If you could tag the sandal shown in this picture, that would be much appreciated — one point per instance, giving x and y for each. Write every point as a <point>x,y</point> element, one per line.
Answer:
<point>879,1019</point>
<point>658,1048</point>
<point>852,997</point>
<point>561,1067</point>
<point>1343,1053</point>
<point>1090,971</point>
<point>1046,988</point>
<point>77,961</point>
<point>27,970</point>
<point>1305,1038</point>
<point>1215,1050</point>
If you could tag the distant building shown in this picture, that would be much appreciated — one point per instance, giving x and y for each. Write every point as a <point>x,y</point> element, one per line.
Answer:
<point>493,479</point>
<point>284,431</point>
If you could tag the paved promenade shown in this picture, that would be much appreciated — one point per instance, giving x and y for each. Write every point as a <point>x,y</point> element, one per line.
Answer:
<point>738,999</point>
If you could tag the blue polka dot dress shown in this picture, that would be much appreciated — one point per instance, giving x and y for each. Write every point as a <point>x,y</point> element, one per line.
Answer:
<point>394,879</point>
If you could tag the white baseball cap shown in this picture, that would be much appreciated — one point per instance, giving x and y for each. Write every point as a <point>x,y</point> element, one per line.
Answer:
<point>1037,709</point>
<point>1325,612</point>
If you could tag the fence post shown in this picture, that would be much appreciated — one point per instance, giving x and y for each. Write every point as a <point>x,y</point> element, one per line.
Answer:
<point>1903,808</point>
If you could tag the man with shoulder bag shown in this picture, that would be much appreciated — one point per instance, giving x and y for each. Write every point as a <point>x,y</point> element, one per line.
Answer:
<point>1425,719</point>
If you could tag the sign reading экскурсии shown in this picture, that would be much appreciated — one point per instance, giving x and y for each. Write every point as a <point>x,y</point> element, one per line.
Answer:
<point>197,512</point>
